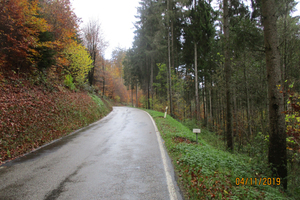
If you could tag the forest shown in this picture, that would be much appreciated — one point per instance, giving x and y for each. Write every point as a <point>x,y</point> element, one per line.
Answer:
<point>229,66</point>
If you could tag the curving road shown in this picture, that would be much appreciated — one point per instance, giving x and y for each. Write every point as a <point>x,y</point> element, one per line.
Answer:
<point>118,157</point>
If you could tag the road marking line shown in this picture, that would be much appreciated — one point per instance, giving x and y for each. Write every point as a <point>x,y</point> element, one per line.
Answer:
<point>171,187</point>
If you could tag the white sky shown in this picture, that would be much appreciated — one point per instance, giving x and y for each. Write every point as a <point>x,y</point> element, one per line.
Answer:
<point>116,18</point>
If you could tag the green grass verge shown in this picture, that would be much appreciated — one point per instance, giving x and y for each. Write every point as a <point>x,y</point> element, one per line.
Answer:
<point>205,172</point>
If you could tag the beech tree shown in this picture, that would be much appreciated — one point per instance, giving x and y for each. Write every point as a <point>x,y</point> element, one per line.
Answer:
<point>80,62</point>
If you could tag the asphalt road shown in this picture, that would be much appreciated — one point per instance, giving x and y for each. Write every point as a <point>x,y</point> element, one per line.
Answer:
<point>118,157</point>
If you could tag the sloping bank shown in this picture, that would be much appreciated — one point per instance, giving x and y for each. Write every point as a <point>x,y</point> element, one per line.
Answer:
<point>204,172</point>
<point>31,116</point>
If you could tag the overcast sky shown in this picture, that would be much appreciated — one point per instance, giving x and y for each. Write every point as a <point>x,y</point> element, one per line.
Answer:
<point>116,18</point>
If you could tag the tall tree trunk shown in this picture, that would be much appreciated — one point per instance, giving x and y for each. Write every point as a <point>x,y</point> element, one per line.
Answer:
<point>151,80</point>
<point>148,94</point>
<point>136,96</point>
<point>196,84</point>
<point>277,146</point>
<point>172,45</point>
<point>219,109</point>
<point>148,84</point>
<point>132,96</point>
<point>103,74</point>
<point>210,106</point>
<point>235,111</point>
<point>227,78</point>
<point>284,74</point>
<point>205,103</point>
<point>247,99</point>
<point>169,59</point>
<point>196,77</point>
<point>168,88</point>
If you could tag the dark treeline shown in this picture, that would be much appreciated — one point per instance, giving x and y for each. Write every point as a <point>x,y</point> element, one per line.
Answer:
<point>233,68</point>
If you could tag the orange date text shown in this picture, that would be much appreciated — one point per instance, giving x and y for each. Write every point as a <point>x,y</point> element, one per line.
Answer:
<point>257,181</point>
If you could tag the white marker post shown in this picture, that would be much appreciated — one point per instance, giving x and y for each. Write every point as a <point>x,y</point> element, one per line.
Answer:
<point>196,131</point>
<point>166,112</point>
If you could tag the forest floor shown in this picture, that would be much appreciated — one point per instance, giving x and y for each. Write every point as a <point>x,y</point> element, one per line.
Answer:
<point>206,172</point>
<point>33,114</point>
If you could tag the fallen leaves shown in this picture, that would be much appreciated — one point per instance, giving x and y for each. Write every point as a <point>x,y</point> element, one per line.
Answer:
<point>182,139</point>
<point>32,116</point>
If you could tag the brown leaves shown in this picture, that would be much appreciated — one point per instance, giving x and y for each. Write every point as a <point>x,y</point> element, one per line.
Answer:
<point>31,117</point>
<point>182,139</point>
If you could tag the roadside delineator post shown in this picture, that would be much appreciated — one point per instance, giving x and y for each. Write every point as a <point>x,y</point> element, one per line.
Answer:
<point>196,131</point>
<point>166,112</point>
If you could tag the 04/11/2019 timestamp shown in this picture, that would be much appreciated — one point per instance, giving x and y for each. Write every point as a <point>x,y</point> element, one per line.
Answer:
<point>257,181</point>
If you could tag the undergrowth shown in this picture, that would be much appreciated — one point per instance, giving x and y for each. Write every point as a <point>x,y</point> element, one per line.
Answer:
<point>32,115</point>
<point>206,172</point>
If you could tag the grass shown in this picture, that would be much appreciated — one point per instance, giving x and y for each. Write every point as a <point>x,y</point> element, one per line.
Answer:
<point>206,172</point>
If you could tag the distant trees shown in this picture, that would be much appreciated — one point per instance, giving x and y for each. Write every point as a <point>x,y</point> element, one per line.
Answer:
<point>95,43</point>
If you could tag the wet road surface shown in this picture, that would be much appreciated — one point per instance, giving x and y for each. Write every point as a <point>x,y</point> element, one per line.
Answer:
<point>118,157</point>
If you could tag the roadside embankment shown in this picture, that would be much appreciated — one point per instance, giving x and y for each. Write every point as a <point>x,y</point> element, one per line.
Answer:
<point>204,172</point>
<point>33,115</point>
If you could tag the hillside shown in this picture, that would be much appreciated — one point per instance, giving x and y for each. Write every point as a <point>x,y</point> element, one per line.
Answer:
<point>33,113</point>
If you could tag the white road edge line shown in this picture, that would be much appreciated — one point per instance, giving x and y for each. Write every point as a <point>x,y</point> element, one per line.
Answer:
<point>171,187</point>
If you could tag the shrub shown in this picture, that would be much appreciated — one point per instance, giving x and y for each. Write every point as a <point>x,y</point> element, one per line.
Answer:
<point>69,82</point>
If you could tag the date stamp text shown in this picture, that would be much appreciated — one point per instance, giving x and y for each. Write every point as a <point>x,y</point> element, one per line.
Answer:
<point>257,181</point>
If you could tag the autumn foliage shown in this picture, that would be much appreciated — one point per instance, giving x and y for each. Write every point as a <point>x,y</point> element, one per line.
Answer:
<point>19,33</point>
<point>109,78</point>
<point>293,121</point>
<point>80,62</point>
<point>35,33</point>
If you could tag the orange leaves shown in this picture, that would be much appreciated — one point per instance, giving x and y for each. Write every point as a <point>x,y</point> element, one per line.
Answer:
<point>21,43</point>
<point>61,18</point>
<point>19,33</point>
<point>114,86</point>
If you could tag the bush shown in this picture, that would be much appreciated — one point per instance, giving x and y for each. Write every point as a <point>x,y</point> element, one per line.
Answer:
<point>117,98</point>
<point>69,82</point>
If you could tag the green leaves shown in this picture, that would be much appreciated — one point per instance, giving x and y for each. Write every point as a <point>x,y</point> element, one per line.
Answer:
<point>69,82</point>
